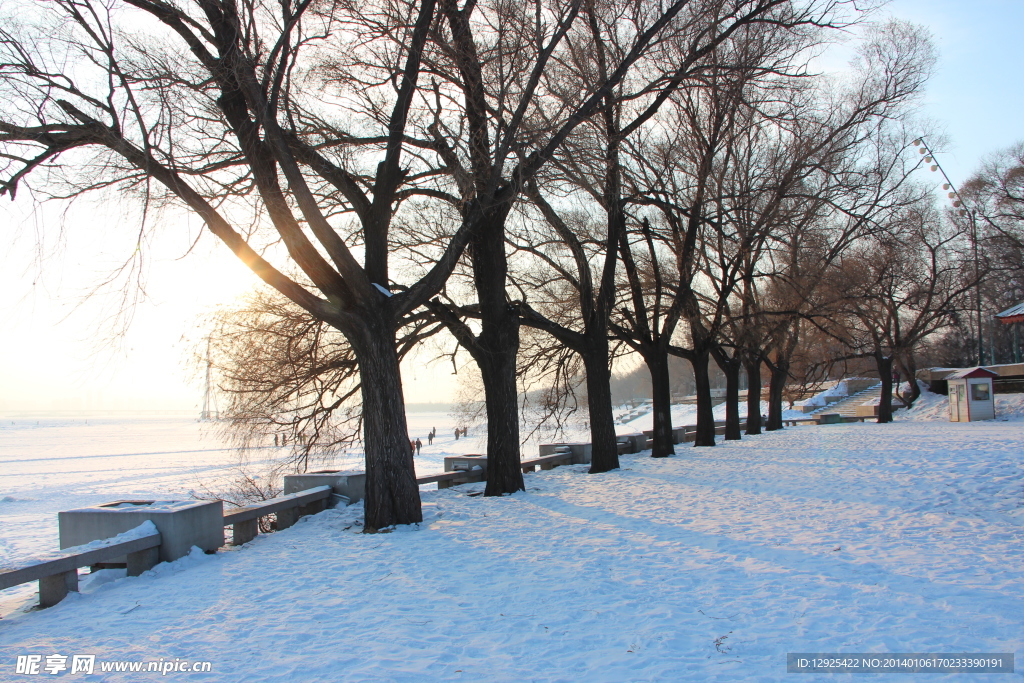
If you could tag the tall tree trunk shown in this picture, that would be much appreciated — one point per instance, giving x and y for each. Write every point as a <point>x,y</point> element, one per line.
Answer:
<point>495,352</point>
<point>392,495</point>
<point>731,369</point>
<point>705,411</point>
<point>884,365</point>
<point>777,384</point>
<point>753,365</point>
<point>661,388</point>
<point>604,447</point>
<point>732,400</point>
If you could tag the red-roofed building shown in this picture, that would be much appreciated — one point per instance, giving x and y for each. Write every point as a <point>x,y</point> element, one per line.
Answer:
<point>1013,314</point>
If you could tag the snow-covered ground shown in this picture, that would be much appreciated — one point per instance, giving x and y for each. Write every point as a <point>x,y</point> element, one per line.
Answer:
<point>709,566</point>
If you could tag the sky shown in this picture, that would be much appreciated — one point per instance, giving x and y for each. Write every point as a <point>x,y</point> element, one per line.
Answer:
<point>61,351</point>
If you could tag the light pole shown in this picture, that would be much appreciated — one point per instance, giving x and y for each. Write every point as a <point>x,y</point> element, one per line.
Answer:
<point>972,215</point>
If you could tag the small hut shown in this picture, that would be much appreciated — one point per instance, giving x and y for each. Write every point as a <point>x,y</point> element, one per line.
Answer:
<point>970,395</point>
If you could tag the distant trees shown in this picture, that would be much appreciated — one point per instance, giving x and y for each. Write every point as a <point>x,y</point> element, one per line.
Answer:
<point>895,289</point>
<point>997,193</point>
<point>995,210</point>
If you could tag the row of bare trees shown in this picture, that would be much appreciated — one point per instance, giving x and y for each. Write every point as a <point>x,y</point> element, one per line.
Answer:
<point>668,178</point>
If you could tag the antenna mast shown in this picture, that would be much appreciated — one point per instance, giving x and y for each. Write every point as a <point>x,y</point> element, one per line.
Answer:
<point>209,411</point>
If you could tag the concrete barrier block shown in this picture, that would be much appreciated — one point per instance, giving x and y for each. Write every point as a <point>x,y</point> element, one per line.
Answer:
<point>182,524</point>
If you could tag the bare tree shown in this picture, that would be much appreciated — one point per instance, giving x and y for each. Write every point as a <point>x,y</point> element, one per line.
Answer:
<point>220,108</point>
<point>288,378</point>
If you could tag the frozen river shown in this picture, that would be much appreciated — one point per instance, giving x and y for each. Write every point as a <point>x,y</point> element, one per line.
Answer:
<point>48,464</point>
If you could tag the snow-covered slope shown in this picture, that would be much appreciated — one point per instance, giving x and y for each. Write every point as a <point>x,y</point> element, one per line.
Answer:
<point>687,415</point>
<point>709,566</point>
<point>931,407</point>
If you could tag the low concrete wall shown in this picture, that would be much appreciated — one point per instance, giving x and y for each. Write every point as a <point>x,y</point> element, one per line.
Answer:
<point>352,485</point>
<point>182,524</point>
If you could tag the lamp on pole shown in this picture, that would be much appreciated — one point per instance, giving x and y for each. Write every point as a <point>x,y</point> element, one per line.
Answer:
<point>972,214</point>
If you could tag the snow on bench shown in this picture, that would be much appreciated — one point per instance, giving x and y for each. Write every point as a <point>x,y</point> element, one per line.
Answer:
<point>244,522</point>
<point>58,573</point>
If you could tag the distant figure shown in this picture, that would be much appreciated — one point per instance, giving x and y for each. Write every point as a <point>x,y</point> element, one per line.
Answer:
<point>419,445</point>
<point>465,431</point>
<point>275,439</point>
<point>412,447</point>
<point>430,439</point>
<point>456,433</point>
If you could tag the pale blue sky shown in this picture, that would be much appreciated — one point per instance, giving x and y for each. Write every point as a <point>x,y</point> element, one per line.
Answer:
<point>52,356</point>
<point>977,94</point>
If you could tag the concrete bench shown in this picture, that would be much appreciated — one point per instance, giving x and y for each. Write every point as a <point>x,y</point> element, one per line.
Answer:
<point>632,443</point>
<point>581,452</point>
<point>690,432</point>
<point>58,576</point>
<point>449,479</point>
<point>465,463</point>
<point>462,476</point>
<point>678,434</point>
<point>244,522</point>
<point>546,462</point>
<point>349,484</point>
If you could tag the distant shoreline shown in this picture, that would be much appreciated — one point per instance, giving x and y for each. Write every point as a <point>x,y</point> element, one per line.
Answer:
<point>187,414</point>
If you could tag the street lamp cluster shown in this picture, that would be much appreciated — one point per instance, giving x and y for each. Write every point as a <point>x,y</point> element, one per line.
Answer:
<point>958,203</point>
